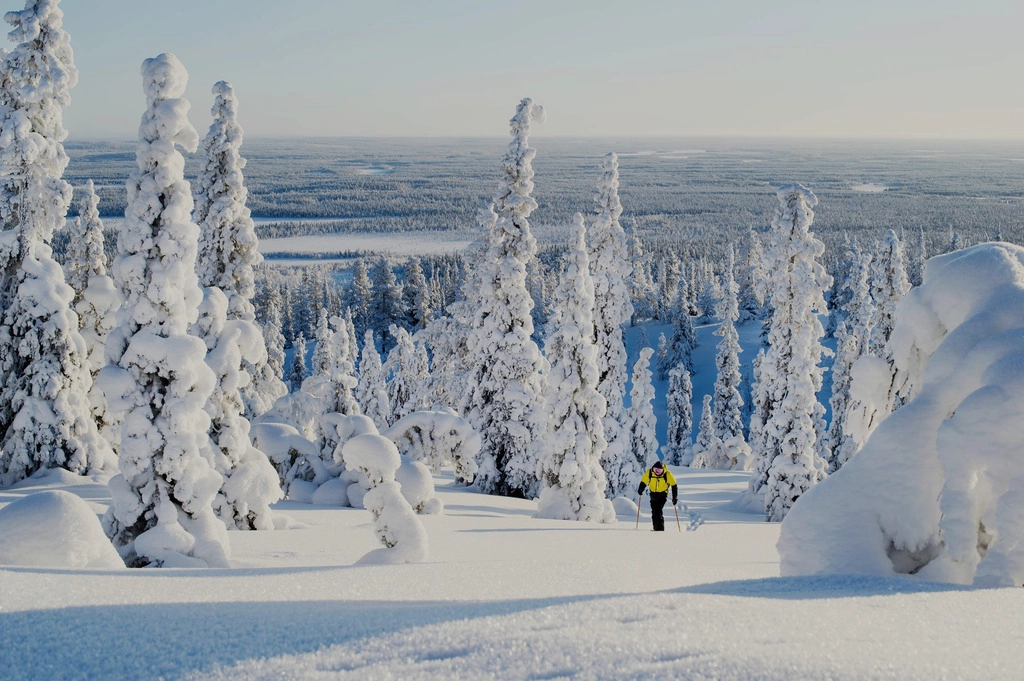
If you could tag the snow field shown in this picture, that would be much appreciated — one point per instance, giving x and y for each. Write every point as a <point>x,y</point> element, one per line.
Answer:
<point>503,595</point>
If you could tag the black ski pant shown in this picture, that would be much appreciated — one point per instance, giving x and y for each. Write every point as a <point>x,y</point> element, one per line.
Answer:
<point>658,500</point>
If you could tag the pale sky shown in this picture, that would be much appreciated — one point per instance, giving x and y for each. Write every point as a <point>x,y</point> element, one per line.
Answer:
<point>850,68</point>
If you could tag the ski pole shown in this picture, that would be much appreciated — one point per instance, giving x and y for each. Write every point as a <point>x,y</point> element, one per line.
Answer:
<point>637,512</point>
<point>676,509</point>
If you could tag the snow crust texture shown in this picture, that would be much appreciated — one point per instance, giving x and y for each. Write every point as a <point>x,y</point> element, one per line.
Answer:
<point>938,489</point>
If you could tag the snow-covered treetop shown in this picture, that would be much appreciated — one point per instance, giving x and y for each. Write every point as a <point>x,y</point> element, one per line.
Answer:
<point>515,198</point>
<point>41,68</point>
<point>607,193</point>
<point>228,248</point>
<point>164,79</point>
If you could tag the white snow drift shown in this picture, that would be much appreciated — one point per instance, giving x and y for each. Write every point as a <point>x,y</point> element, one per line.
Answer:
<point>938,489</point>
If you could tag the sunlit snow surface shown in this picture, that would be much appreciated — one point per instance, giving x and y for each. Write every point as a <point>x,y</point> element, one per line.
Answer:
<point>503,595</point>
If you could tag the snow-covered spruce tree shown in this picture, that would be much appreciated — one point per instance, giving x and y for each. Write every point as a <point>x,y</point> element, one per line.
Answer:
<point>161,511</point>
<point>323,357</point>
<point>46,419</point>
<point>334,388</point>
<point>661,358</point>
<point>400,371</point>
<point>684,337</point>
<point>643,441</point>
<point>273,338</point>
<point>915,271</point>
<point>889,284</point>
<point>790,371</point>
<point>680,416</point>
<point>852,421</point>
<point>96,297</point>
<point>359,297</point>
<point>758,415</point>
<point>728,420</point>
<point>704,449</point>
<point>385,303</point>
<point>611,271</point>
<point>641,283</point>
<point>297,374</point>
<point>418,305</point>
<point>504,397</point>
<point>572,479</point>
<point>228,246</point>
<point>250,483</point>
<point>751,274</point>
<point>371,391</point>
<point>671,287</point>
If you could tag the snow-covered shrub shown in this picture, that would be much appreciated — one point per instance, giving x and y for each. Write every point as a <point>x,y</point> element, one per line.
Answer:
<point>418,487</point>
<point>937,488</point>
<point>54,529</point>
<point>437,438</point>
<point>395,521</point>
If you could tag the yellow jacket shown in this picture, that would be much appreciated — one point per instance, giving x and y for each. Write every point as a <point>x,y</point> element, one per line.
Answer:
<point>657,484</point>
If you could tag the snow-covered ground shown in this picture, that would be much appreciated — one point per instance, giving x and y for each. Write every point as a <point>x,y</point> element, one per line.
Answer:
<point>404,244</point>
<point>502,595</point>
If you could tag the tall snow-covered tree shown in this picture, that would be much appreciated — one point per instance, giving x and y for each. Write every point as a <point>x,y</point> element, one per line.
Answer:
<point>228,246</point>
<point>162,502</point>
<point>385,303</point>
<point>46,417</point>
<point>403,371</point>
<point>851,420</point>
<point>643,441</point>
<point>750,277</point>
<point>572,479</point>
<point>707,444</point>
<point>728,418</point>
<point>371,391</point>
<point>274,339</point>
<point>641,283</point>
<point>416,299</point>
<point>612,272</point>
<point>684,337</point>
<point>504,399</point>
<point>680,416</point>
<point>323,353</point>
<point>790,371</point>
<point>250,483</point>
<point>889,284</point>
<point>297,373</point>
<point>359,297</point>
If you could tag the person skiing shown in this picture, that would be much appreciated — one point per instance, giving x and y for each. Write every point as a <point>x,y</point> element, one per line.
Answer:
<point>658,479</point>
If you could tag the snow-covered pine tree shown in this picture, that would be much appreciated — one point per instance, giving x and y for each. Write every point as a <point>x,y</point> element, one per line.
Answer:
<point>572,479</point>
<point>641,283</point>
<point>790,371</point>
<point>504,399</point>
<point>643,441</point>
<point>889,284</point>
<point>228,246</point>
<point>758,417</point>
<point>704,449</point>
<point>46,417</point>
<point>298,373</point>
<point>161,511</point>
<point>371,391</point>
<point>95,293</point>
<point>359,297</point>
<point>684,337</point>
<point>661,358</point>
<point>400,368</point>
<point>323,353</point>
<point>274,338</point>
<point>250,483</point>
<point>669,289</point>
<point>915,272</point>
<point>728,419</point>
<point>680,416</point>
<point>852,421</point>
<point>416,299</point>
<point>751,274</point>
<point>612,272</point>
<point>385,303</point>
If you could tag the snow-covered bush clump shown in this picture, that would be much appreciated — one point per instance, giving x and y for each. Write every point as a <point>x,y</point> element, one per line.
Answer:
<point>937,489</point>
<point>55,529</point>
<point>287,450</point>
<point>437,438</point>
<point>395,521</point>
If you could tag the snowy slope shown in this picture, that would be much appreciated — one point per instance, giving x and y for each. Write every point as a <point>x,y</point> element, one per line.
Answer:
<point>503,595</point>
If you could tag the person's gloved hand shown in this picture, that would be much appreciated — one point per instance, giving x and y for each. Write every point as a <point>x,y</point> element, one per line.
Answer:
<point>675,502</point>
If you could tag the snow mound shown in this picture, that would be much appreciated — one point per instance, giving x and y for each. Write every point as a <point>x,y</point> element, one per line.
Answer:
<point>55,529</point>
<point>938,489</point>
<point>625,506</point>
